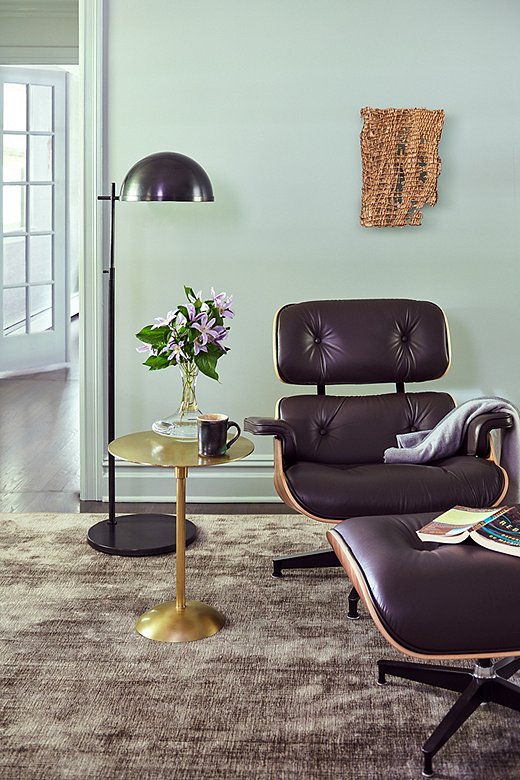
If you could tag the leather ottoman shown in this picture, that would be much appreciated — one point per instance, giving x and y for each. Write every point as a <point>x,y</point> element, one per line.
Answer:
<point>437,601</point>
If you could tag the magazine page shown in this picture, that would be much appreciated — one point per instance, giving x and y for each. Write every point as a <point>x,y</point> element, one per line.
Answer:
<point>454,525</point>
<point>501,533</point>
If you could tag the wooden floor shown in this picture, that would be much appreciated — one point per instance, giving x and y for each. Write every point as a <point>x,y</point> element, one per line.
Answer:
<point>39,448</point>
<point>39,440</point>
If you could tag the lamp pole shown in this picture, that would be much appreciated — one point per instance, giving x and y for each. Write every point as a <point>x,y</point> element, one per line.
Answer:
<point>111,377</point>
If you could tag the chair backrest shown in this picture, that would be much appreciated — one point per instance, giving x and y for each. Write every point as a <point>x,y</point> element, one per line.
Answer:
<point>361,342</point>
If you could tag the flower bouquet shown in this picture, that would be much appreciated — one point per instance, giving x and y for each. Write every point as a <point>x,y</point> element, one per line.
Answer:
<point>190,337</point>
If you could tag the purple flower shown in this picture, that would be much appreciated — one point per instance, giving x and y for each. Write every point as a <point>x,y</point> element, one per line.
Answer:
<point>177,353</point>
<point>206,329</point>
<point>145,348</point>
<point>174,349</point>
<point>223,304</point>
<point>160,321</point>
<point>192,313</point>
<point>199,345</point>
<point>222,333</point>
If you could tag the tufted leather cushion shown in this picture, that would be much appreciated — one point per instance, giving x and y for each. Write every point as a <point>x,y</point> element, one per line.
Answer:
<point>361,341</point>
<point>358,429</point>
<point>337,469</point>
<point>436,598</point>
<point>336,492</point>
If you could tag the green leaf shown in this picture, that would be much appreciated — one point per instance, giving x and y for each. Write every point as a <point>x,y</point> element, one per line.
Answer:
<point>155,362</point>
<point>206,362</point>
<point>190,295</point>
<point>183,310</point>
<point>214,349</point>
<point>154,336</point>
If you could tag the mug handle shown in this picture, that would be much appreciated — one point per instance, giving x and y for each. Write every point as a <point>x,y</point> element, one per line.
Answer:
<point>233,440</point>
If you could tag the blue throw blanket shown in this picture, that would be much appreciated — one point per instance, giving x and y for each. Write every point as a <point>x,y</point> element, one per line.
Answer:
<point>447,437</point>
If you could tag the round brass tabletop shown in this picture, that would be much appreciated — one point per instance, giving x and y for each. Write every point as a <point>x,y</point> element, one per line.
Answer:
<point>152,449</point>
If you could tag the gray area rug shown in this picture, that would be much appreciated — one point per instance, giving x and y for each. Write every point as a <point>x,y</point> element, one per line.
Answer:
<point>286,690</point>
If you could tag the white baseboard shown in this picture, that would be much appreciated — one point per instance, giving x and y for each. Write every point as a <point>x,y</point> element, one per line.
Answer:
<point>247,481</point>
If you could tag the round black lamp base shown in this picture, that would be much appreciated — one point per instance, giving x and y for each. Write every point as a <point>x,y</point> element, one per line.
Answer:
<point>138,535</point>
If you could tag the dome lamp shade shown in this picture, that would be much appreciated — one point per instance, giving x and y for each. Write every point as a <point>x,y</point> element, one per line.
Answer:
<point>166,176</point>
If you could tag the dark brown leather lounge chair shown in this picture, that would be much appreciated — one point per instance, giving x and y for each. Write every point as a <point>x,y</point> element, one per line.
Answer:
<point>328,449</point>
<point>437,601</point>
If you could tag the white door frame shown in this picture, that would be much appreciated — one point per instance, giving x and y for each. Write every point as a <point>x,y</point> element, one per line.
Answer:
<point>91,352</point>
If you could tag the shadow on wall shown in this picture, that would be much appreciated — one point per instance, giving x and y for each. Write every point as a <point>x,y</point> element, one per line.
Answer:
<point>224,211</point>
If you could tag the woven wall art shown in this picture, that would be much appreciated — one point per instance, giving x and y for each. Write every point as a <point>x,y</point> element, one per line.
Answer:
<point>400,164</point>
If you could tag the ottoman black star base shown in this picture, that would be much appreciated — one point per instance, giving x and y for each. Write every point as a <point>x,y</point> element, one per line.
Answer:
<point>487,682</point>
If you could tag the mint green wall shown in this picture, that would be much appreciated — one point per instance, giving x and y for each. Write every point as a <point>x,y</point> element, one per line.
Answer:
<point>266,96</point>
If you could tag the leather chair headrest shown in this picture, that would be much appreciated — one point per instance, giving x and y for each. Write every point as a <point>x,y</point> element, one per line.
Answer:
<point>361,341</point>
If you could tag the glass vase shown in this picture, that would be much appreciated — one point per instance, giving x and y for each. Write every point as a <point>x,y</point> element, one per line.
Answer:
<point>183,424</point>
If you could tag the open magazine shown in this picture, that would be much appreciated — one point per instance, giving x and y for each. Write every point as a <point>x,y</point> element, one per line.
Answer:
<point>496,528</point>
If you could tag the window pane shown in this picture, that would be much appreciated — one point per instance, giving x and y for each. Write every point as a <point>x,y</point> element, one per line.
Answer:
<point>40,108</point>
<point>40,259</point>
<point>40,198</point>
<point>40,157</point>
<point>14,260</point>
<point>14,208</point>
<point>40,307</point>
<point>14,311</point>
<point>15,107</point>
<point>15,163</point>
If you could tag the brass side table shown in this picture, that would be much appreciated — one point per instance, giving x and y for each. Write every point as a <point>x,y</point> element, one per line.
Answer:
<point>179,620</point>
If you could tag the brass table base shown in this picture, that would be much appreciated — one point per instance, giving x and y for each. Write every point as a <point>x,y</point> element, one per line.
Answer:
<point>179,620</point>
<point>167,623</point>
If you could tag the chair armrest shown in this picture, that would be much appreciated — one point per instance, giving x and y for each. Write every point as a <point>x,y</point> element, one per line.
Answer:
<point>268,426</point>
<point>477,437</point>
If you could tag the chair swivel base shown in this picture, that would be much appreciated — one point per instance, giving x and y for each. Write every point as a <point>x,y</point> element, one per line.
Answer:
<point>168,623</point>
<point>315,559</point>
<point>142,534</point>
<point>486,683</point>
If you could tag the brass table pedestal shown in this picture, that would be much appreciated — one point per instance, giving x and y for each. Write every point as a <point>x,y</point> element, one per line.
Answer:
<point>169,623</point>
<point>179,620</point>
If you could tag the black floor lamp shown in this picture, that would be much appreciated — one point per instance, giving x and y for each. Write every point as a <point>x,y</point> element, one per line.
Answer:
<point>159,177</point>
